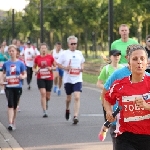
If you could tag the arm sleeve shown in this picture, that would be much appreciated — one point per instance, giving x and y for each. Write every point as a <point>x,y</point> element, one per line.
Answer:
<point>112,94</point>
<point>37,52</point>
<point>22,67</point>
<point>4,67</point>
<point>112,46</point>
<point>102,75</point>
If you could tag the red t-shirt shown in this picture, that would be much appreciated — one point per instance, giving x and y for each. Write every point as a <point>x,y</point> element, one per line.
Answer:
<point>43,62</point>
<point>131,118</point>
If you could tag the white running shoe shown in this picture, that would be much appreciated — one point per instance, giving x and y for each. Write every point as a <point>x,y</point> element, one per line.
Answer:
<point>2,92</point>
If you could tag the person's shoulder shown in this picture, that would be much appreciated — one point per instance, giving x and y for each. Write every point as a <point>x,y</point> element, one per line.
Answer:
<point>116,41</point>
<point>133,40</point>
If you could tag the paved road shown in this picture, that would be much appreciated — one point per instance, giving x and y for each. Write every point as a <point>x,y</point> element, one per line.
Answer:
<point>54,133</point>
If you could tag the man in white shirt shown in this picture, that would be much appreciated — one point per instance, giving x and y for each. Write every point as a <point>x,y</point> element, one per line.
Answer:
<point>71,61</point>
<point>29,52</point>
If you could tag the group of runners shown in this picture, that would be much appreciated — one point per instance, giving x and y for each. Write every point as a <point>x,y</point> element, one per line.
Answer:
<point>127,87</point>
<point>49,68</point>
<point>119,82</point>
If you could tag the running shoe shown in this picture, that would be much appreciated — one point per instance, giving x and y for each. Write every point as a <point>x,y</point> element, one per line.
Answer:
<point>18,109</point>
<point>29,87</point>
<point>2,92</point>
<point>58,92</point>
<point>45,115</point>
<point>75,120</point>
<point>13,127</point>
<point>55,89</point>
<point>10,127</point>
<point>67,114</point>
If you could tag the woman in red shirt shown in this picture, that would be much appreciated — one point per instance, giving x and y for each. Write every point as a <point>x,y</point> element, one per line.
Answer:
<point>45,64</point>
<point>133,95</point>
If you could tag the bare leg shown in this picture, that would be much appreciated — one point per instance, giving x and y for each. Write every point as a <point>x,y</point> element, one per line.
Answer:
<point>76,103</point>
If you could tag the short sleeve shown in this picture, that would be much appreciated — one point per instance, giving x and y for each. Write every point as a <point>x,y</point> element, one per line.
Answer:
<point>112,46</point>
<point>102,76</point>
<point>22,52</point>
<point>60,60</point>
<point>83,59</point>
<point>112,94</point>
<point>4,67</point>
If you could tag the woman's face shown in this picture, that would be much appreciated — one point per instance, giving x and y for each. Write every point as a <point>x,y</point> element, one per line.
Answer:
<point>115,59</point>
<point>12,52</point>
<point>138,61</point>
<point>43,49</point>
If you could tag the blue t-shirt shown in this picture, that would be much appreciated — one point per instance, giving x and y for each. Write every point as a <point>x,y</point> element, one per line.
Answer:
<point>13,70</point>
<point>118,74</point>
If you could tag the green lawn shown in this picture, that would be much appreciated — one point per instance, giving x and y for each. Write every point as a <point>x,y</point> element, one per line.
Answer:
<point>90,78</point>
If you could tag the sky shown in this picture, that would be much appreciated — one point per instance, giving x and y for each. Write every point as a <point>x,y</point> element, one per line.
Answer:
<point>18,5</point>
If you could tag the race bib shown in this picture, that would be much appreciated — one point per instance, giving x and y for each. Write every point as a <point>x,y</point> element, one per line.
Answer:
<point>45,73</point>
<point>12,81</point>
<point>74,72</point>
<point>29,59</point>
<point>132,112</point>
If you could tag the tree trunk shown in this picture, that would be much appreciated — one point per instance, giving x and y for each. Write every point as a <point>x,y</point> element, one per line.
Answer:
<point>86,47</point>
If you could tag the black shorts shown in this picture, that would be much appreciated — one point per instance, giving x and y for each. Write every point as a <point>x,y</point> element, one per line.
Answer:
<point>13,96</point>
<point>130,141</point>
<point>43,83</point>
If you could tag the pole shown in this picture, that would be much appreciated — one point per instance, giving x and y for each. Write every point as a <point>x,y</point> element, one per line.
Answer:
<point>41,21</point>
<point>13,23</point>
<point>110,23</point>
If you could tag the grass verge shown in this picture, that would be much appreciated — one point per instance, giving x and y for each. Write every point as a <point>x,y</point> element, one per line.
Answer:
<point>89,78</point>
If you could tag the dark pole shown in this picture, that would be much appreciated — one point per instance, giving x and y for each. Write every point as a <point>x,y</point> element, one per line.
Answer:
<point>41,21</point>
<point>13,23</point>
<point>110,23</point>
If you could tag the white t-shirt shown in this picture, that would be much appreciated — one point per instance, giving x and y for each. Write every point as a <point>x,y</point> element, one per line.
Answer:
<point>56,55</point>
<point>74,59</point>
<point>29,55</point>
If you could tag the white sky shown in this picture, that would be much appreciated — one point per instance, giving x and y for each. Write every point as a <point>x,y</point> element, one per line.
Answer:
<point>18,5</point>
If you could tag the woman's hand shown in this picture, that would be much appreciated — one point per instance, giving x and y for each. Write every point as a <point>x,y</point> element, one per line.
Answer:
<point>109,116</point>
<point>141,103</point>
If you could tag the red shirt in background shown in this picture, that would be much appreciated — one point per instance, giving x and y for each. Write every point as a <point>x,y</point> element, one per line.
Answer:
<point>43,62</point>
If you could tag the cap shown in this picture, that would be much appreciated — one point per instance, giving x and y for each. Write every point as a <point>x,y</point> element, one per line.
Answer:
<point>115,52</point>
<point>28,42</point>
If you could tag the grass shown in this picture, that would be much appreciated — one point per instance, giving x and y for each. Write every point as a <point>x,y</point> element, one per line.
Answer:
<point>90,78</point>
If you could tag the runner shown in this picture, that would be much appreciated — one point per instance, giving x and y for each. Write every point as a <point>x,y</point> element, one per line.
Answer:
<point>14,71</point>
<point>122,43</point>
<point>29,54</point>
<point>46,65</point>
<point>72,61</point>
<point>133,122</point>
<point>58,74</point>
<point>3,58</point>
<point>107,71</point>
<point>116,75</point>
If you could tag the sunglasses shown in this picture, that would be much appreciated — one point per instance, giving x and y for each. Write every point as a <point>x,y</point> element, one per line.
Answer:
<point>73,43</point>
<point>148,40</point>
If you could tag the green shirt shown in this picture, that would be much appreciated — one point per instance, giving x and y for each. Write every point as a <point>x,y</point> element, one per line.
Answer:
<point>2,60</point>
<point>122,46</point>
<point>106,72</point>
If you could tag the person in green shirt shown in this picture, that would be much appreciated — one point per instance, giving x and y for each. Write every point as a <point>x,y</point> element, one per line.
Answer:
<point>122,43</point>
<point>3,58</point>
<point>107,70</point>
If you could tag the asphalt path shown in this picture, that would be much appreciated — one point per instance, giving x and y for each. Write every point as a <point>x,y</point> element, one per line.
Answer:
<point>55,133</point>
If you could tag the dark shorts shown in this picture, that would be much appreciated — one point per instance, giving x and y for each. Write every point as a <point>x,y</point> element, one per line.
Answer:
<point>130,141</point>
<point>60,72</point>
<point>13,96</point>
<point>71,88</point>
<point>47,84</point>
